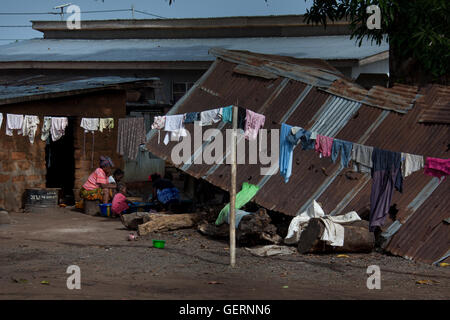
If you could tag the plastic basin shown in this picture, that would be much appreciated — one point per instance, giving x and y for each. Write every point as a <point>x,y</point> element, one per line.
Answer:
<point>159,244</point>
<point>105,209</point>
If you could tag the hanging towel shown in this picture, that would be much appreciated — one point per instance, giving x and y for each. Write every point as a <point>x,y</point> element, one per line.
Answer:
<point>1,120</point>
<point>246,194</point>
<point>242,113</point>
<point>411,163</point>
<point>131,134</point>
<point>45,131</point>
<point>90,124</point>
<point>106,123</point>
<point>362,158</point>
<point>175,125</point>
<point>253,122</point>
<point>209,117</point>
<point>386,175</point>
<point>58,128</point>
<point>323,145</point>
<point>14,122</point>
<point>191,117</point>
<point>286,152</point>
<point>436,167</point>
<point>30,125</point>
<point>345,148</point>
<point>159,122</point>
<point>227,114</point>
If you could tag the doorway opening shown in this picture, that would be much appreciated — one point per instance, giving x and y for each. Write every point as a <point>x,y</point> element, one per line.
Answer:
<point>60,163</point>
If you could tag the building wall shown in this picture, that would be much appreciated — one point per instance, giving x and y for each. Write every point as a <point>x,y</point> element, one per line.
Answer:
<point>22,165</point>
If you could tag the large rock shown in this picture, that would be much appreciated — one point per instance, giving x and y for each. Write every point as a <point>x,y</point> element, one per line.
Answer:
<point>4,217</point>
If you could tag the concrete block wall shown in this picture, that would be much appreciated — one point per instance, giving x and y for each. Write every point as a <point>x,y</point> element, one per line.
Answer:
<point>22,165</point>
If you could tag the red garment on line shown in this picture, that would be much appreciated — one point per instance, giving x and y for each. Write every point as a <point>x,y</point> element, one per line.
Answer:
<point>323,145</point>
<point>436,167</point>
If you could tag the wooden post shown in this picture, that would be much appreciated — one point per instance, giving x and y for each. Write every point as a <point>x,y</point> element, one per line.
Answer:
<point>233,191</point>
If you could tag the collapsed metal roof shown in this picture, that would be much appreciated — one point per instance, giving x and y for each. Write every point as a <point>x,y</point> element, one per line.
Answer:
<point>311,95</point>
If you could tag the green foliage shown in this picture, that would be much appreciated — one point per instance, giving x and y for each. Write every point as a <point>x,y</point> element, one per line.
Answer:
<point>416,29</point>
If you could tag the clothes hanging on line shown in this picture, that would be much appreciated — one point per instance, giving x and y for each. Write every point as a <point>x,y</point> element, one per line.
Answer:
<point>242,113</point>
<point>159,122</point>
<point>227,114</point>
<point>253,122</point>
<point>300,135</point>
<point>90,124</point>
<point>345,148</point>
<point>58,127</point>
<point>175,125</point>
<point>131,134</point>
<point>209,117</point>
<point>386,174</point>
<point>323,145</point>
<point>362,158</point>
<point>411,163</point>
<point>1,120</point>
<point>436,167</point>
<point>45,131</point>
<point>191,117</point>
<point>14,122</point>
<point>106,123</point>
<point>286,152</point>
<point>30,125</point>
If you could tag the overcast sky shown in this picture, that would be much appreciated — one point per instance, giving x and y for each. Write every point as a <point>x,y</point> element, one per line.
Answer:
<point>179,9</point>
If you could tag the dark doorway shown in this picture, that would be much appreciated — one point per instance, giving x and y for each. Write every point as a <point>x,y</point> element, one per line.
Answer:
<point>60,162</point>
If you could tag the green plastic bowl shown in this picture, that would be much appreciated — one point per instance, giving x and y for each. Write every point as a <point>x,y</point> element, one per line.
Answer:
<point>159,244</point>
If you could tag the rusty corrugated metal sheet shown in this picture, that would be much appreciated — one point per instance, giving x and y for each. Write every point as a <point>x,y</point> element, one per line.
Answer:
<point>285,99</point>
<point>436,105</point>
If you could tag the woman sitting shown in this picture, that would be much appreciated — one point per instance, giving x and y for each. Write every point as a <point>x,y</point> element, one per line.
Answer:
<point>97,187</point>
<point>164,191</point>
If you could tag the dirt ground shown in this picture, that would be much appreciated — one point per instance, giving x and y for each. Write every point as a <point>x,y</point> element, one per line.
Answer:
<point>39,247</point>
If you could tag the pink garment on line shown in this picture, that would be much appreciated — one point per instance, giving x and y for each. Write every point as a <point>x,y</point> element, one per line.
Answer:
<point>253,122</point>
<point>323,145</point>
<point>436,167</point>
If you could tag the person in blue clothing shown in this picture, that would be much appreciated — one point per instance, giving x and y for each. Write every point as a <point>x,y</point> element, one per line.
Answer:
<point>164,191</point>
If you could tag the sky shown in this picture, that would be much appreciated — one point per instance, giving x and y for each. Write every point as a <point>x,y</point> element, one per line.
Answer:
<point>178,9</point>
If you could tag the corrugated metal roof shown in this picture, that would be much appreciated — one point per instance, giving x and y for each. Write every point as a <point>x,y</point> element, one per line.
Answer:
<point>46,89</point>
<point>436,105</point>
<point>283,99</point>
<point>337,47</point>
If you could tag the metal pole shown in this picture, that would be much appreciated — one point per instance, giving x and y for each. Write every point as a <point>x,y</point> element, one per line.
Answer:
<point>233,191</point>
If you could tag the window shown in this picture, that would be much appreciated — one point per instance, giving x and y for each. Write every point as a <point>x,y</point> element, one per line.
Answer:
<point>179,89</point>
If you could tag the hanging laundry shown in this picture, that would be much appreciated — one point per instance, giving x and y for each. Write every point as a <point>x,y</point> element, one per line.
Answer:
<point>106,123</point>
<point>209,117</point>
<point>175,125</point>
<point>362,158</point>
<point>191,117</point>
<point>253,122</point>
<point>300,135</point>
<point>436,167</point>
<point>411,163</point>
<point>286,152</point>
<point>90,124</point>
<point>30,125</point>
<point>323,145</point>
<point>58,127</point>
<point>159,122</point>
<point>345,148</point>
<point>386,175</point>
<point>131,134</point>
<point>246,194</point>
<point>242,113</point>
<point>1,119</point>
<point>45,131</point>
<point>227,114</point>
<point>14,122</point>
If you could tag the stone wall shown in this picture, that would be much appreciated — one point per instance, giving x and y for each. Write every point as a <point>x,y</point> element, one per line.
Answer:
<point>22,164</point>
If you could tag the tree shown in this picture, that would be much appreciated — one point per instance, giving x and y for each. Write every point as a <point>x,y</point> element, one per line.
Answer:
<point>417,32</point>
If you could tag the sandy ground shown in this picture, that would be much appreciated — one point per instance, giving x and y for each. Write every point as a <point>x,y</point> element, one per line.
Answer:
<point>39,247</point>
